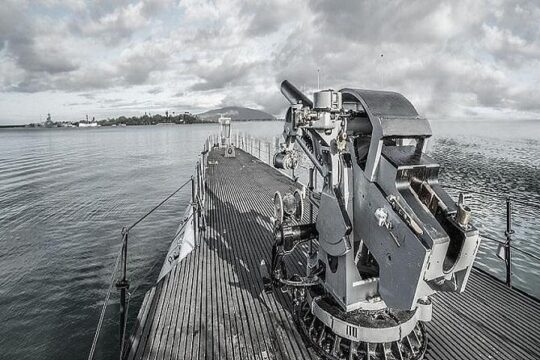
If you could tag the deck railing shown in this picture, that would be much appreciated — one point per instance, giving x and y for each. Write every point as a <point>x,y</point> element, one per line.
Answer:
<point>305,175</point>
<point>264,150</point>
<point>198,194</point>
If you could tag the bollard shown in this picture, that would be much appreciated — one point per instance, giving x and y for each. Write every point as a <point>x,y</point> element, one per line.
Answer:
<point>259,149</point>
<point>508,244</point>
<point>269,155</point>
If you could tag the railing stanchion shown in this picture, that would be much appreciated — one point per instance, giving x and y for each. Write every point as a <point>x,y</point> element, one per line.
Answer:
<point>508,244</point>
<point>199,182</point>
<point>194,204</point>
<point>123,284</point>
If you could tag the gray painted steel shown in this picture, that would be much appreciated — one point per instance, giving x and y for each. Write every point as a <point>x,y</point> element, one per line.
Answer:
<point>212,304</point>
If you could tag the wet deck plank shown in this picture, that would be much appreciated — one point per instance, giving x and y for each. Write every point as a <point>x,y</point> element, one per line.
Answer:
<point>212,304</point>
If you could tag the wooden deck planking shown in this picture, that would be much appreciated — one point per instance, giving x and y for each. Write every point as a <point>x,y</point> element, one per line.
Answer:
<point>484,321</point>
<point>253,311</point>
<point>212,304</point>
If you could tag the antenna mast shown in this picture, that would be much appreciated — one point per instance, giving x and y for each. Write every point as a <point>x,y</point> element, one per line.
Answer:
<point>382,71</point>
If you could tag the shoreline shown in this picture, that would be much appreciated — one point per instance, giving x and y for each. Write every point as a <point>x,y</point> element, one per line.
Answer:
<point>27,126</point>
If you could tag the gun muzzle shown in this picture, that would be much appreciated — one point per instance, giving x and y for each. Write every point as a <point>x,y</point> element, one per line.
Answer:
<point>294,95</point>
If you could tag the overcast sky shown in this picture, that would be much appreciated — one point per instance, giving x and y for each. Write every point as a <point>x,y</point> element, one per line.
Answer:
<point>458,59</point>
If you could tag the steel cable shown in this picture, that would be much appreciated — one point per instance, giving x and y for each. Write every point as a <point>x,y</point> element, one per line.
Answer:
<point>518,201</point>
<point>113,275</point>
<point>484,193</point>
<point>158,205</point>
<point>503,242</point>
<point>104,308</point>
<point>522,202</point>
<point>536,257</point>
<point>492,239</point>
<point>130,294</point>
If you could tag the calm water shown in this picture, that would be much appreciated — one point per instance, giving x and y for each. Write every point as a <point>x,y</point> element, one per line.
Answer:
<point>65,194</point>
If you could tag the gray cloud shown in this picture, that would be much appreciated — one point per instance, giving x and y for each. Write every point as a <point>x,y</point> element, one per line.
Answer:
<point>218,76</point>
<point>394,21</point>
<point>445,56</point>
<point>32,59</point>
<point>22,41</point>
<point>264,17</point>
<point>116,21</point>
<point>136,67</point>
<point>155,90</point>
<point>451,59</point>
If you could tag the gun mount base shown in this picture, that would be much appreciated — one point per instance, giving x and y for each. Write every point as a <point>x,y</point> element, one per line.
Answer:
<point>361,334</point>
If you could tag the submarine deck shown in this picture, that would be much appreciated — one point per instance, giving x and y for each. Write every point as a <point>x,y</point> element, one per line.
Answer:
<point>212,304</point>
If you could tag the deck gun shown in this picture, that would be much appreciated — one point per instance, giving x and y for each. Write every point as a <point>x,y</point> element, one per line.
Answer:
<point>388,234</point>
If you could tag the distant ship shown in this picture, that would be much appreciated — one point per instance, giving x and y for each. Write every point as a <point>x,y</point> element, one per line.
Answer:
<point>88,123</point>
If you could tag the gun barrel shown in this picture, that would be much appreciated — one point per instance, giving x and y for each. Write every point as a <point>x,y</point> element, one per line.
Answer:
<point>294,95</point>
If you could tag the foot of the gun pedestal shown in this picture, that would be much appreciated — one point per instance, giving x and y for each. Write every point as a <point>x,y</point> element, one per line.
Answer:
<point>365,327</point>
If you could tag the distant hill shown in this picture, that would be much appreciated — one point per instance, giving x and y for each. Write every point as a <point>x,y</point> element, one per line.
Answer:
<point>237,113</point>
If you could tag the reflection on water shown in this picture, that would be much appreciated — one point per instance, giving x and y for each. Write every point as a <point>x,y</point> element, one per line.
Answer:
<point>65,194</point>
<point>502,159</point>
